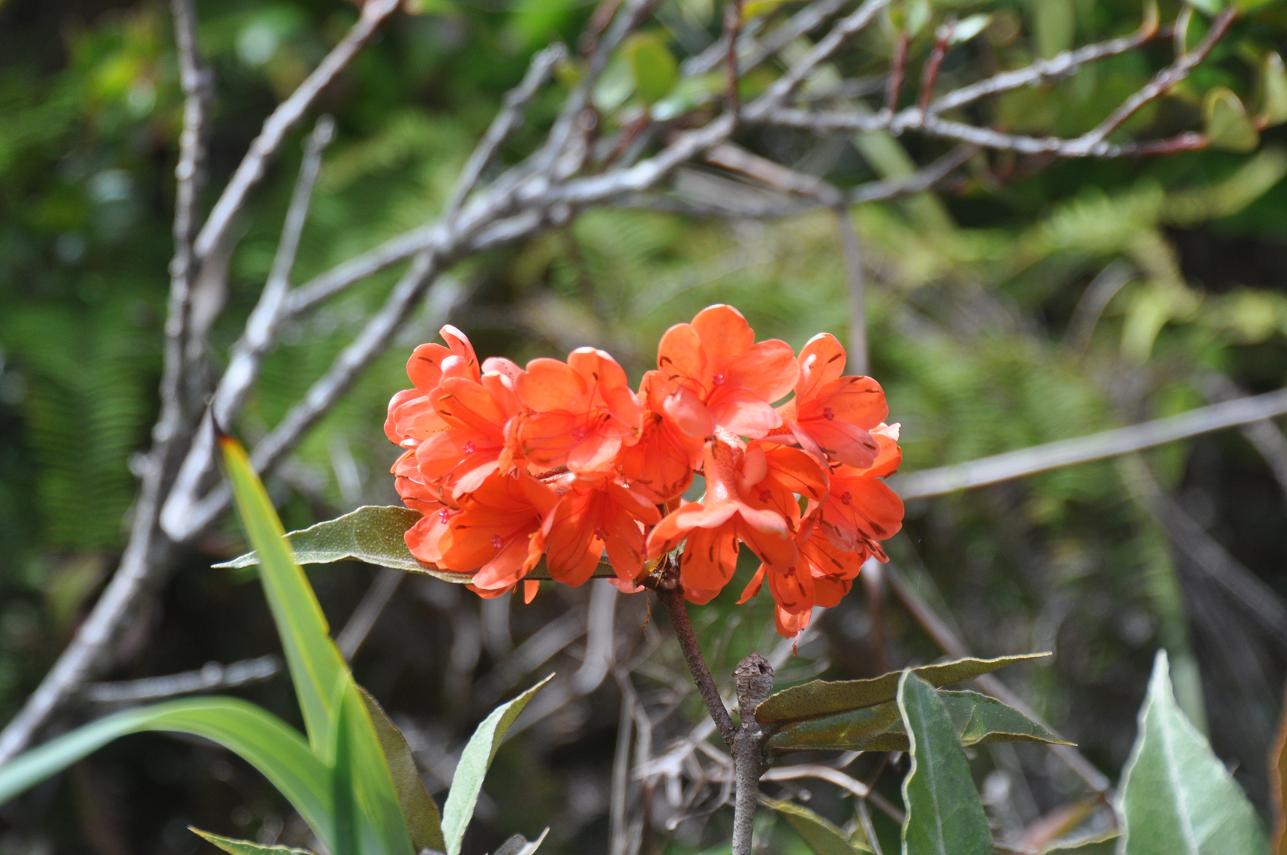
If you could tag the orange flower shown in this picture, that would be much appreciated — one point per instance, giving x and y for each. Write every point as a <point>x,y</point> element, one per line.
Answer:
<point>720,376</point>
<point>592,518</point>
<point>861,510</point>
<point>411,412</point>
<point>578,414</point>
<point>494,535</point>
<point>473,442</point>
<point>832,414</point>
<point>749,498</point>
<point>661,463</point>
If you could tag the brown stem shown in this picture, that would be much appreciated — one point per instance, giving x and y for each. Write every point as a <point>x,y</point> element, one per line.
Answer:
<point>673,599</point>
<point>754,680</point>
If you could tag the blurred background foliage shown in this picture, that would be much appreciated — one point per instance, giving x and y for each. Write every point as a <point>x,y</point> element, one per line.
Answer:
<point>1024,302</point>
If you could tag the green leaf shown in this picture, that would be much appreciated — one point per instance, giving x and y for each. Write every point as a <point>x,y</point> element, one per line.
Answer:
<point>1227,124</point>
<point>467,783</point>
<point>969,27</point>
<point>366,803</point>
<point>243,847</point>
<point>520,845</point>
<point>314,661</point>
<point>1176,797</point>
<point>1096,844</point>
<point>419,811</point>
<point>823,697</point>
<point>264,741</point>
<point>944,814</point>
<point>652,66</point>
<point>372,533</point>
<point>976,718</point>
<point>1273,91</point>
<point>1209,7</point>
<point>819,834</point>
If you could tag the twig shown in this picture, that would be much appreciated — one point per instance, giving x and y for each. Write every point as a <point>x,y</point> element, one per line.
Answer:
<point>929,73</point>
<point>948,641</point>
<point>851,252</point>
<point>732,27</point>
<point>897,71</point>
<point>504,124</point>
<point>753,678</point>
<point>1264,436</point>
<point>1098,446</point>
<point>282,120</point>
<point>210,677</point>
<point>673,600</point>
<point>367,612</point>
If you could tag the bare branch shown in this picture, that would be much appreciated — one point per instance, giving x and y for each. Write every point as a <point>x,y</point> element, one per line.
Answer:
<point>210,677</point>
<point>282,120</point>
<point>1099,446</point>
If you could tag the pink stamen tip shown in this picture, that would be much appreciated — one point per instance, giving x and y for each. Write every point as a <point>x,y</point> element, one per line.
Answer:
<point>579,433</point>
<point>719,379</point>
<point>846,497</point>
<point>497,543</point>
<point>444,515</point>
<point>828,413</point>
<point>469,447</point>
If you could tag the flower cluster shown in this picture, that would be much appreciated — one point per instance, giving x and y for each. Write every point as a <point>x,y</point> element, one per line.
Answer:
<point>565,461</point>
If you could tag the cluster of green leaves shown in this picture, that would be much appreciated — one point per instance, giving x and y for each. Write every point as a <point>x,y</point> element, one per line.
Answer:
<point>352,777</point>
<point>1176,797</point>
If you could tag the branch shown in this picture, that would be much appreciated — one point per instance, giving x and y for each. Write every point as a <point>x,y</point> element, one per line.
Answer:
<point>673,599</point>
<point>210,677</point>
<point>1100,446</point>
<point>282,120</point>
<point>754,680</point>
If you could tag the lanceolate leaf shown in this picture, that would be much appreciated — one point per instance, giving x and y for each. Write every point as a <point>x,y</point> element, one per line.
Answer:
<point>261,739</point>
<point>467,783</point>
<point>1177,798</point>
<point>418,808</point>
<point>818,833</point>
<point>822,697</point>
<point>244,847</point>
<point>520,845</point>
<point>1096,844</point>
<point>366,804</point>
<point>374,534</point>
<point>977,719</point>
<point>944,814</point>
<point>314,661</point>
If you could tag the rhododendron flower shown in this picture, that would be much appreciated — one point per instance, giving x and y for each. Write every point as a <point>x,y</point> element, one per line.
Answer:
<point>721,377</point>
<point>564,462</point>
<point>579,414</point>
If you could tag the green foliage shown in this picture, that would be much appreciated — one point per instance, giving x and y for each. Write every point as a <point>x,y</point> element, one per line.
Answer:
<point>419,811</point>
<point>944,814</point>
<point>819,833</point>
<point>467,783</point>
<point>243,847</point>
<point>822,697</point>
<point>1176,796</point>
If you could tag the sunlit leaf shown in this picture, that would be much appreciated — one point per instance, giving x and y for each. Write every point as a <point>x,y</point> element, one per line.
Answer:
<point>652,65</point>
<point>1227,124</point>
<point>1095,844</point>
<point>1177,798</point>
<point>977,719</point>
<point>314,661</point>
<point>264,741</point>
<point>467,783</point>
<point>1273,91</point>
<point>244,847</point>
<point>944,814</point>
<point>823,697</point>
<point>520,845</point>
<point>819,834</point>
<point>419,810</point>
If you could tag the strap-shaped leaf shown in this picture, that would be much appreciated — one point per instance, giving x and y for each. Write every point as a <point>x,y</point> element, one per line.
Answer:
<point>418,808</point>
<point>944,814</point>
<point>976,718</point>
<point>264,741</point>
<point>1095,844</point>
<point>1177,798</point>
<point>314,660</point>
<point>823,697</point>
<point>244,847</point>
<point>368,815</point>
<point>467,783</point>
<point>818,833</point>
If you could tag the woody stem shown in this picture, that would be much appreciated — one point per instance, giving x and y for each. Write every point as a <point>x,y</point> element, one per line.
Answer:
<point>674,602</point>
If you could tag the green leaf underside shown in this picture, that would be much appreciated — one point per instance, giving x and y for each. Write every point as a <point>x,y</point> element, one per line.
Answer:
<point>372,534</point>
<point>1096,844</point>
<point>314,660</point>
<point>467,783</point>
<point>944,814</point>
<point>818,833</point>
<point>419,811</point>
<point>520,845</point>
<point>1227,124</point>
<point>264,741</point>
<point>977,719</point>
<point>244,847</point>
<point>822,697</point>
<point>365,800</point>
<point>1177,798</point>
